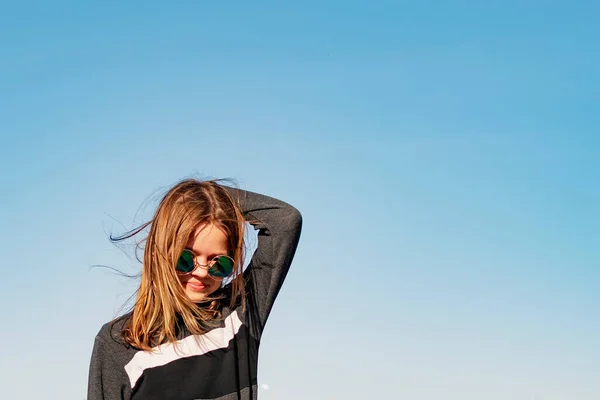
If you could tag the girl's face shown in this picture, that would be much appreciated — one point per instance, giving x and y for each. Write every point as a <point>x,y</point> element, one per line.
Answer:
<point>206,242</point>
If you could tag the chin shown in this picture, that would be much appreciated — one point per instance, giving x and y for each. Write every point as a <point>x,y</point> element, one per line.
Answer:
<point>198,297</point>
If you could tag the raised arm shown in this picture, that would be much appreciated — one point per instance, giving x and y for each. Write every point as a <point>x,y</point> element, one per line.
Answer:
<point>279,225</point>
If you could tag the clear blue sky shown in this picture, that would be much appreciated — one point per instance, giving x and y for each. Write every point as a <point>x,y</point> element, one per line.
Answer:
<point>445,156</point>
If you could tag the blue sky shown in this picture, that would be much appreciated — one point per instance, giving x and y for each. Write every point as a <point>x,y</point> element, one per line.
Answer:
<point>445,156</point>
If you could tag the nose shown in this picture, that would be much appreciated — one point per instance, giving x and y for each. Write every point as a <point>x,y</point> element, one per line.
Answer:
<point>201,270</point>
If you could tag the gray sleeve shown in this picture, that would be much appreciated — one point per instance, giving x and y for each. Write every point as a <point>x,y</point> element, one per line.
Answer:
<point>107,380</point>
<point>279,225</point>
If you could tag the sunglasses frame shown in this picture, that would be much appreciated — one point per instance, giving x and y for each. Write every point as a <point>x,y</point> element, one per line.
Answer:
<point>206,266</point>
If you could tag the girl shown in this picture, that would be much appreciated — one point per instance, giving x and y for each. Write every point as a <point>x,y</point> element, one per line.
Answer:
<point>195,328</point>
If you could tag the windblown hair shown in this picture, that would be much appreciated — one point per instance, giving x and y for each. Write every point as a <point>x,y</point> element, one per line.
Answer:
<point>161,304</point>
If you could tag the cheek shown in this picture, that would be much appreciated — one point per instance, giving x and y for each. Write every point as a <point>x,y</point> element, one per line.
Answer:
<point>215,285</point>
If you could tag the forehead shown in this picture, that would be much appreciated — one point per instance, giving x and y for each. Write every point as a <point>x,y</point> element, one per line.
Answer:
<point>208,238</point>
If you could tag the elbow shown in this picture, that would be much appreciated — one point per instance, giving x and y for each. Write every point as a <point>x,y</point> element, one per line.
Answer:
<point>293,218</point>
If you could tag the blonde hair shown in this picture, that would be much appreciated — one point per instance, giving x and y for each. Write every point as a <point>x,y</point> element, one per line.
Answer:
<point>161,304</point>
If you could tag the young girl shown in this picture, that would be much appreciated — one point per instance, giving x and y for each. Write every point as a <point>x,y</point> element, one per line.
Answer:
<point>195,328</point>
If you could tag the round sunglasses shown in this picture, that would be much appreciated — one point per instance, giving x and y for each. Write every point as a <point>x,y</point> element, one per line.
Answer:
<point>218,267</point>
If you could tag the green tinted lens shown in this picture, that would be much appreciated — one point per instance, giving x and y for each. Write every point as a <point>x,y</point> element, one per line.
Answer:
<point>222,267</point>
<point>186,262</point>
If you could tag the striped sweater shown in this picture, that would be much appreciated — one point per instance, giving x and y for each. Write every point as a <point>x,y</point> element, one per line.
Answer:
<point>221,363</point>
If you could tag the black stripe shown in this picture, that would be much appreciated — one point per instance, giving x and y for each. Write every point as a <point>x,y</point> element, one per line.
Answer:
<point>206,376</point>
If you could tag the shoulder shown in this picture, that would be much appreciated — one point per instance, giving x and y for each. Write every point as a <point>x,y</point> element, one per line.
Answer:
<point>110,334</point>
<point>109,343</point>
<point>110,357</point>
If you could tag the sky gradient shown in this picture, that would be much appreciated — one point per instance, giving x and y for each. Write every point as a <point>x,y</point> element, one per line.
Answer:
<point>445,157</point>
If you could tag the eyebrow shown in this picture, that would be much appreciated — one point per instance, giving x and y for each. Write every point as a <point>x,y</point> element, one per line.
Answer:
<point>210,255</point>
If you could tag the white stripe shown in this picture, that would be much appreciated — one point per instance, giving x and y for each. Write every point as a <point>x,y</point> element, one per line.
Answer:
<point>193,345</point>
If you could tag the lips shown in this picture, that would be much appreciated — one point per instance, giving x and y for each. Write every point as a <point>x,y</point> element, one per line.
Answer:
<point>196,286</point>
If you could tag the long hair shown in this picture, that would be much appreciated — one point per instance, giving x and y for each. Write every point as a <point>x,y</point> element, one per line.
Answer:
<point>161,303</point>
